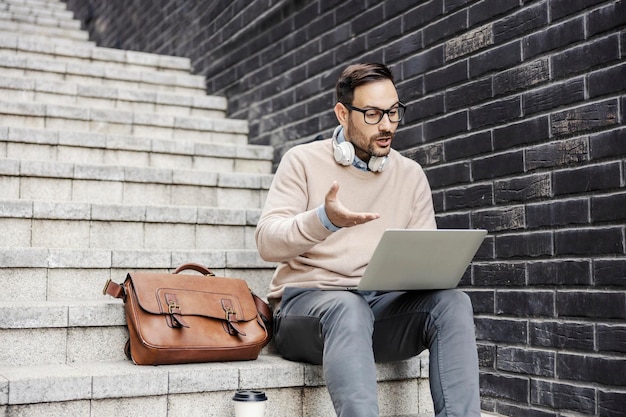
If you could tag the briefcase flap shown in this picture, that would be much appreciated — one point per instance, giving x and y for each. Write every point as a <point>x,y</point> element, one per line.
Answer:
<point>194,295</point>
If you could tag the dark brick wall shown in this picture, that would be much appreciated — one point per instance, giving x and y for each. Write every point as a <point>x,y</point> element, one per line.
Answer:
<point>517,112</point>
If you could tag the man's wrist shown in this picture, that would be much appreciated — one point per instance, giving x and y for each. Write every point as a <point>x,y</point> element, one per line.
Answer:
<point>321,213</point>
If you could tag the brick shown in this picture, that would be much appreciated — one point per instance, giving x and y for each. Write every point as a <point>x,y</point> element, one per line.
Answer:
<point>520,23</point>
<point>504,387</point>
<point>559,153</point>
<point>523,410</point>
<point>526,132</point>
<point>408,138</point>
<point>495,59</point>
<point>607,144</point>
<point>469,196</point>
<point>608,208</point>
<point>468,145</point>
<point>606,18</point>
<point>385,33</point>
<point>368,19</point>
<point>524,245</point>
<point>397,7</point>
<point>422,14</point>
<point>447,125</point>
<point>486,356</point>
<point>483,301</point>
<point>422,62</point>
<point>609,272</point>
<point>497,112</point>
<point>486,10</point>
<point>497,219</point>
<point>469,94</point>
<point>561,335</point>
<point>602,241</point>
<point>610,403</point>
<point>525,303</point>
<point>451,221</point>
<point>601,304</point>
<point>498,165</point>
<point>499,274</point>
<point>610,80</point>
<point>450,25</point>
<point>486,251</point>
<point>410,90</point>
<point>560,272</point>
<point>586,179</point>
<point>553,96</point>
<point>443,78</point>
<point>405,46</point>
<point>602,370</point>
<point>585,118</point>
<point>558,213</point>
<point>563,8</point>
<point>522,189</point>
<point>554,37</point>
<point>427,107</point>
<point>438,204</point>
<point>528,362</point>
<point>611,338</point>
<point>457,173</point>
<point>585,57</point>
<point>471,41</point>
<point>563,396</point>
<point>522,77</point>
<point>426,155</point>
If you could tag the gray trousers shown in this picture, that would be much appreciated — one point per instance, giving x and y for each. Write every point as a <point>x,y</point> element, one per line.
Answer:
<point>348,331</point>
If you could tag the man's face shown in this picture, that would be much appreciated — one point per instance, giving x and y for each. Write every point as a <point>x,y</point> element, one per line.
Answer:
<point>372,139</point>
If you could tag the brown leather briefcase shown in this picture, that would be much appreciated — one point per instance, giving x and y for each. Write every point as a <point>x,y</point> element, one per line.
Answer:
<point>183,318</point>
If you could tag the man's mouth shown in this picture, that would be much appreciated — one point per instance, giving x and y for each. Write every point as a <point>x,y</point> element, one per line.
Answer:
<point>383,141</point>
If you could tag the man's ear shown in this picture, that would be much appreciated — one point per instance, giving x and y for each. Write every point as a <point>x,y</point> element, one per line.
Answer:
<point>342,114</point>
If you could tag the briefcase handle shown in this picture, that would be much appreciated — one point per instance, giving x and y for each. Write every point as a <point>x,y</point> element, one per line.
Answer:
<point>195,267</point>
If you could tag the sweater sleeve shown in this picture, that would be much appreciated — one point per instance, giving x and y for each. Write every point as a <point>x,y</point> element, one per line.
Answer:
<point>289,225</point>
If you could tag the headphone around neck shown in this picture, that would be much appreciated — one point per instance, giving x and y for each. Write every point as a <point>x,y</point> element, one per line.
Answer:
<point>344,154</point>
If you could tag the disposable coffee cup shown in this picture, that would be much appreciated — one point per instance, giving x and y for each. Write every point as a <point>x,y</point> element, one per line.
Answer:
<point>249,403</point>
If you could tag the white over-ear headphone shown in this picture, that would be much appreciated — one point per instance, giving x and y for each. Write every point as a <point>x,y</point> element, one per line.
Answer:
<point>344,154</point>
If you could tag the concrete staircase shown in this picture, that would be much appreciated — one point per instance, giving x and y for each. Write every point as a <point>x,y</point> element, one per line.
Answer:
<point>112,161</point>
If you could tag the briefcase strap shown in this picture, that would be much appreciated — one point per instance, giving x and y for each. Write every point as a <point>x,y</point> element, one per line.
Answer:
<point>114,290</point>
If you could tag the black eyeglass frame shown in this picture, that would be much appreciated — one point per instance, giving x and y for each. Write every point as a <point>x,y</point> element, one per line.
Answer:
<point>387,112</point>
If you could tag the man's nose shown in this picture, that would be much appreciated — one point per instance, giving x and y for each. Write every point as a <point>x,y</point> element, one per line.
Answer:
<point>385,123</point>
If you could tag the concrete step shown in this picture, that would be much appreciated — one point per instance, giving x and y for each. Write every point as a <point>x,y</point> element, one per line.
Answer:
<point>120,388</point>
<point>13,64</point>
<point>86,52</point>
<point>39,16</point>
<point>44,224</point>
<point>24,89</point>
<point>29,28</point>
<point>40,4</point>
<point>122,122</point>
<point>59,181</point>
<point>7,32</point>
<point>68,275</point>
<point>102,149</point>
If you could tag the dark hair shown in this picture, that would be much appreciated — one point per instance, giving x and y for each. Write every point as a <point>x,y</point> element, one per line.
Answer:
<point>359,74</point>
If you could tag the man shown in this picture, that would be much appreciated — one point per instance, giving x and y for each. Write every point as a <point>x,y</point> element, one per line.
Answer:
<point>328,205</point>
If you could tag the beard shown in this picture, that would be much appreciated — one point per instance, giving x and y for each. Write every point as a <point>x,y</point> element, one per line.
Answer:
<point>365,146</point>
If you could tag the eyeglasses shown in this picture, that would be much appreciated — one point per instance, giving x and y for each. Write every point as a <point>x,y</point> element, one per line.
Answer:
<point>373,116</point>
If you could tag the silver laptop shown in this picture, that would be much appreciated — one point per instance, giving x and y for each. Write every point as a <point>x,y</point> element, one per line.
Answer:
<point>421,259</point>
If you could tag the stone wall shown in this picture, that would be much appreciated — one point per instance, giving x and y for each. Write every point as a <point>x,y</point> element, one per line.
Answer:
<point>516,111</point>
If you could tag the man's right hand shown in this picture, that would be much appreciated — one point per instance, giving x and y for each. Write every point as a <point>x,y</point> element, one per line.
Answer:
<point>341,216</point>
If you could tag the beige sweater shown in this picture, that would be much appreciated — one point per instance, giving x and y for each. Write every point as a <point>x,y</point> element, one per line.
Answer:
<point>290,232</point>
